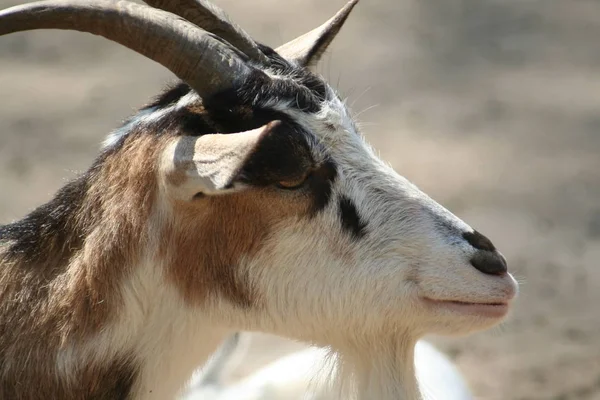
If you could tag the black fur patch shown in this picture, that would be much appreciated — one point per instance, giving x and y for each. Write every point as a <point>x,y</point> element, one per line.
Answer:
<point>351,221</point>
<point>258,90</point>
<point>170,96</point>
<point>321,183</point>
<point>187,122</point>
<point>50,227</point>
<point>282,154</point>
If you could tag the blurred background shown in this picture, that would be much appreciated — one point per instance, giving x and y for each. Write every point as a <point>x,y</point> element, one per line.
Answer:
<point>490,106</point>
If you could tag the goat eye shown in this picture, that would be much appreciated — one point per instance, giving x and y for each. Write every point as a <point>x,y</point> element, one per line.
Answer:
<point>295,183</point>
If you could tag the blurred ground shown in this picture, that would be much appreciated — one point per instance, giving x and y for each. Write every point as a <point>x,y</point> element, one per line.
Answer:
<point>490,106</point>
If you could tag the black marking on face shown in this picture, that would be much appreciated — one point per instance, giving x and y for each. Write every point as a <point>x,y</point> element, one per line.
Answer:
<point>321,185</point>
<point>281,154</point>
<point>351,221</point>
<point>259,91</point>
<point>478,241</point>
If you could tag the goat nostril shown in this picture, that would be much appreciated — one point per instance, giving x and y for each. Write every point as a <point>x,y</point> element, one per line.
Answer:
<point>489,262</point>
<point>478,241</point>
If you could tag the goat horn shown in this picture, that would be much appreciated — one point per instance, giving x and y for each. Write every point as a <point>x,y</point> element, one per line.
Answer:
<point>213,19</point>
<point>202,60</point>
<point>308,48</point>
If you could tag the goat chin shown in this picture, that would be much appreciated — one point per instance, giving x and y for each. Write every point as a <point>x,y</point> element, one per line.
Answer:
<point>301,376</point>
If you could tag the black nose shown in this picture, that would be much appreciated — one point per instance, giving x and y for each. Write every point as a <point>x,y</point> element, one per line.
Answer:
<point>478,241</point>
<point>487,260</point>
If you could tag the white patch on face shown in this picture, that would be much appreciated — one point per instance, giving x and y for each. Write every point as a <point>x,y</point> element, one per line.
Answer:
<point>146,117</point>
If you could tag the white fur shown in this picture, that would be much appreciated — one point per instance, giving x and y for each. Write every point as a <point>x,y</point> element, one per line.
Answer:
<point>304,375</point>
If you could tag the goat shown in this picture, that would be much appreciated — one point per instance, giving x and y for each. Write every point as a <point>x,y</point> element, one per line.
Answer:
<point>242,198</point>
<point>303,375</point>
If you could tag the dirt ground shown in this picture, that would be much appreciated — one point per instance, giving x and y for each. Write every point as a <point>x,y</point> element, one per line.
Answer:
<point>490,106</point>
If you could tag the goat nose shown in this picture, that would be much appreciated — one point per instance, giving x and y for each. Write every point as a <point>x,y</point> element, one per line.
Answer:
<point>487,259</point>
<point>489,262</point>
<point>478,241</point>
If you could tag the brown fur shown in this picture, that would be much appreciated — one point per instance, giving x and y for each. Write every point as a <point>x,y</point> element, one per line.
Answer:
<point>58,302</point>
<point>205,241</point>
<point>126,197</point>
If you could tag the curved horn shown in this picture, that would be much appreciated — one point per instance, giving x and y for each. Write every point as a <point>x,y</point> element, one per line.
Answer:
<point>212,19</point>
<point>199,58</point>
<point>306,50</point>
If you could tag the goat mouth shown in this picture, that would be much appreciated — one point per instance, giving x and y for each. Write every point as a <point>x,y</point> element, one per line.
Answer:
<point>497,309</point>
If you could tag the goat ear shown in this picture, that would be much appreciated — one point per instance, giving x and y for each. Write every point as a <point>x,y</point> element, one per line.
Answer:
<point>208,164</point>
<point>306,50</point>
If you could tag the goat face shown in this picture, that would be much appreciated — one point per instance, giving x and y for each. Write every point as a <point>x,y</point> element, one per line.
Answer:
<point>301,227</point>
